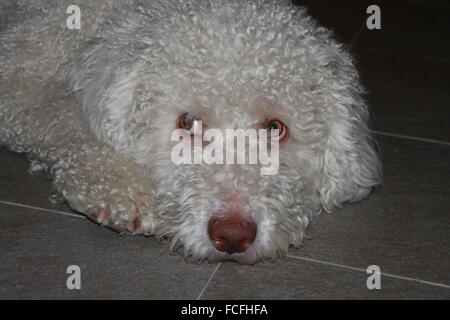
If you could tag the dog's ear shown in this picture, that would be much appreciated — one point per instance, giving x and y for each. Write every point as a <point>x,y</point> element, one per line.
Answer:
<point>104,85</point>
<point>350,166</point>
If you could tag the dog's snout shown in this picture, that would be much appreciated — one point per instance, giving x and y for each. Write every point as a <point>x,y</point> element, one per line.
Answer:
<point>231,233</point>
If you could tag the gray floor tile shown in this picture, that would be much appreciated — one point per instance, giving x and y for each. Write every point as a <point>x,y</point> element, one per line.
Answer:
<point>404,227</point>
<point>37,248</point>
<point>19,186</point>
<point>293,279</point>
<point>407,95</point>
<point>411,27</point>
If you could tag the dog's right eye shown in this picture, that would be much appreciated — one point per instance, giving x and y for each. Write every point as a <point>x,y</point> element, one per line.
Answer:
<point>275,124</point>
<point>187,122</point>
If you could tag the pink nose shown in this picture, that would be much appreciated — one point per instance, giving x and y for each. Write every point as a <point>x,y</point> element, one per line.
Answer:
<point>231,233</point>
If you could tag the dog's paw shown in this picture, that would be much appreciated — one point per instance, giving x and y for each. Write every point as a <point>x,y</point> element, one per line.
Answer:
<point>104,218</point>
<point>105,187</point>
<point>135,218</point>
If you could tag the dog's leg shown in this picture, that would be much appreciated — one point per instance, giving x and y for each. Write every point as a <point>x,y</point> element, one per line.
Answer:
<point>93,178</point>
<point>105,186</point>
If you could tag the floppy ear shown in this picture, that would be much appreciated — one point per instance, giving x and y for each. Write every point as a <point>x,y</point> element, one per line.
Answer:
<point>350,165</point>
<point>104,85</point>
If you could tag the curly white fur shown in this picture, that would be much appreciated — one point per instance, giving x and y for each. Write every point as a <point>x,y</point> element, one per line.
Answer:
<point>96,108</point>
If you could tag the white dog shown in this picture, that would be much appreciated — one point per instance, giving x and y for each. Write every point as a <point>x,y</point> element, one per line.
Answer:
<point>96,108</point>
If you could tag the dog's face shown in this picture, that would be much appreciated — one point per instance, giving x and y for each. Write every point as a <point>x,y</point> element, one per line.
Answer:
<point>236,69</point>
<point>232,211</point>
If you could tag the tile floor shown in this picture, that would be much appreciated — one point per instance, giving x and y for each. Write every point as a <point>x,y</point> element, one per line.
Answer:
<point>404,227</point>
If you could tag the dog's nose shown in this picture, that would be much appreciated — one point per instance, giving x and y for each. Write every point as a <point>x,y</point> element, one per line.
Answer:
<point>231,233</point>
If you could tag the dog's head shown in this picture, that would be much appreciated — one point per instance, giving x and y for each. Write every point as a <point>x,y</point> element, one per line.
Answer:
<point>236,65</point>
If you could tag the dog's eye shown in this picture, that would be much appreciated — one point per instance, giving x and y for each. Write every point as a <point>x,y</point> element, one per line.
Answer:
<point>277,125</point>
<point>187,122</point>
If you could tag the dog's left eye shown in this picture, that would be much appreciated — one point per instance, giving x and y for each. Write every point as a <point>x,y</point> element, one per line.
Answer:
<point>188,123</point>
<point>277,125</point>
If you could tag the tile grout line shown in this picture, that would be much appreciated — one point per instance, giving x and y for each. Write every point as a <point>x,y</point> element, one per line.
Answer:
<point>42,209</point>
<point>218,265</point>
<point>390,275</point>
<point>209,280</point>
<point>357,35</point>
<point>352,44</point>
<point>402,136</point>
